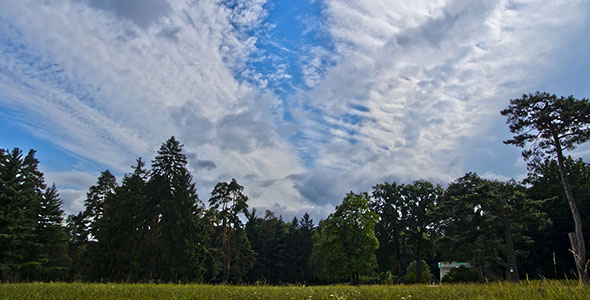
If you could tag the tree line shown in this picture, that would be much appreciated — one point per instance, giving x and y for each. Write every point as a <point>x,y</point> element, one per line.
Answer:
<point>153,227</point>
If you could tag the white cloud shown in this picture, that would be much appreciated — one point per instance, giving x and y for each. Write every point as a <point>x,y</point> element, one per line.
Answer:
<point>110,90</point>
<point>73,200</point>
<point>494,176</point>
<point>405,86</point>
<point>74,179</point>
<point>427,75</point>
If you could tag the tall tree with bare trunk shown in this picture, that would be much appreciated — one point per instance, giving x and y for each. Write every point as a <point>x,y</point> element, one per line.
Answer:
<point>547,125</point>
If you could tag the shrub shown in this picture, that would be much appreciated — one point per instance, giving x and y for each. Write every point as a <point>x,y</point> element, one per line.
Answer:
<point>388,278</point>
<point>410,276</point>
<point>461,274</point>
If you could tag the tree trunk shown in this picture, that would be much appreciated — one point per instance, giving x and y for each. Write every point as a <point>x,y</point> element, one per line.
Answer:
<point>510,254</point>
<point>480,273</point>
<point>398,256</point>
<point>226,253</point>
<point>355,278</point>
<point>577,239</point>
<point>419,260</point>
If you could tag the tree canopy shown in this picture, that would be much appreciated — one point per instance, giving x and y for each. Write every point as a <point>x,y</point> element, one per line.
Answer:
<point>348,239</point>
<point>549,125</point>
<point>152,226</point>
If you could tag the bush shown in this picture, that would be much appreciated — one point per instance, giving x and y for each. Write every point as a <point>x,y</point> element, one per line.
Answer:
<point>368,279</point>
<point>461,274</point>
<point>410,276</point>
<point>388,278</point>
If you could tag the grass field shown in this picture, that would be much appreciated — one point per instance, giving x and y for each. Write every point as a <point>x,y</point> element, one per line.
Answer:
<point>81,291</point>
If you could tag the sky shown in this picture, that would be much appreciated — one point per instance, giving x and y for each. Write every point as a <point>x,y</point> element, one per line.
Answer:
<point>301,101</point>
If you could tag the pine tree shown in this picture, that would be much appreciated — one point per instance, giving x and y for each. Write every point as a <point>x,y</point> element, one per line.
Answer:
<point>551,125</point>
<point>228,199</point>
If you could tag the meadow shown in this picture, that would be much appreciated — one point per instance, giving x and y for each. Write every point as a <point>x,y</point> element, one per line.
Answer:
<point>500,290</point>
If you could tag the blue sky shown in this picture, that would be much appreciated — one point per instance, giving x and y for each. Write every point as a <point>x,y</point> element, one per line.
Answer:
<point>300,101</point>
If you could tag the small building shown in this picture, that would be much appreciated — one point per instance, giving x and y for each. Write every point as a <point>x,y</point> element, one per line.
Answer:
<point>445,267</point>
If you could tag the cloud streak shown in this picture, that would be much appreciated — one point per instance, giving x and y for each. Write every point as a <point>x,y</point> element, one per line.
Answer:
<point>416,81</point>
<point>352,93</point>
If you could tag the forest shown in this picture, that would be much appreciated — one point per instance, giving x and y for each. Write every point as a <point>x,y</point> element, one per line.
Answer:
<point>151,226</point>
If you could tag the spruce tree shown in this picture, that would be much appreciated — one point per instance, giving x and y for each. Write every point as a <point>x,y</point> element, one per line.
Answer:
<point>124,226</point>
<point>176,205</point>
<point>95,208</point>
<point>31,234</point>
<point>32,187</point>
<point>13,224</point>
<point>77,233</point>
<point>51,235</point>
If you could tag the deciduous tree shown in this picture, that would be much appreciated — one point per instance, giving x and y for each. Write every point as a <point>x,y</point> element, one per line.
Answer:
<point>419,211</point>
<point>348,241</point>
<point>388,203</point>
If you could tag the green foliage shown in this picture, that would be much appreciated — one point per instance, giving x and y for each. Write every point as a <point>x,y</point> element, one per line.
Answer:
<point>387,201</point>
<point>228,202</point>
<point>125,230</point>
<point>421,200</point>
<point>153,227</point>
<point>461,274</point>
<point>348,241</point>
<point>486,222</point>
<point>97,251</point>
<point>388,278</point>
<point>32,239</point>
<point>174,253</point>
<point>411,277</point>
<point>148,229</point>
<point>51,235</point>
<point>552,125</point>
<point>282,249</point>
<point>546,188</point>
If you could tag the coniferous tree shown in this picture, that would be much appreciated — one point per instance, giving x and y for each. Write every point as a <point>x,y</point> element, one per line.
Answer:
<point>486,222</point>
<point>95,199</point>
<point>51,235</point>
<point>298,251</point>
<point>31,232</point>
<point>228,200</point>
<point>95,209</point>
<point>549,258</point>
<point>13,222</point>
<point>176,210</point>
<point>552,125</point>
<point>125,227</point>
<point>267,237</point>
<point>77,232</point>
<point>32,187</point>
